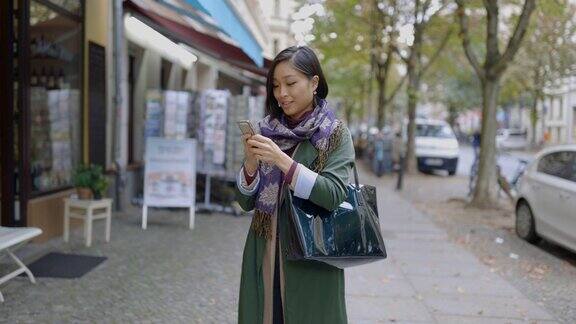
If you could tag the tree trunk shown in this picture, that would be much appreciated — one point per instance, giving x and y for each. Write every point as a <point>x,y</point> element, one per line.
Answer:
<point>381,116</point>
<point>348,108</point>
<point>413,87</point>
<point>452,115</point>
<point>485,193</point>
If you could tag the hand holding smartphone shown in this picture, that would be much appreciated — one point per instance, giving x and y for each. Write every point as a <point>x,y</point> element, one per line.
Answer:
<point>246,127</point>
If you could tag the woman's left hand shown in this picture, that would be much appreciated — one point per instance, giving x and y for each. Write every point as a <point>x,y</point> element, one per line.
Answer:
<point>267,151</point>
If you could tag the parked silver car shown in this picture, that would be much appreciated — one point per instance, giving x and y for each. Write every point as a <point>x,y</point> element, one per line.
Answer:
<point>546,205</point>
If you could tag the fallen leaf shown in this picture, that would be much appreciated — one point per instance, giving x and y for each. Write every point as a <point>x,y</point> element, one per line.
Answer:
<point>488,260</point>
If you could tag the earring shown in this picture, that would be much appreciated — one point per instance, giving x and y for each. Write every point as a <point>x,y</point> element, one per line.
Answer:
<point>314,92</point>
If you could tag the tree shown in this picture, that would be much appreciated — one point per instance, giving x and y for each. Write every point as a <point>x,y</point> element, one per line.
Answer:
<point>548,54</point>
<point>490,74</point>
<point>354,57</point>
<point>338,36</point>
<point>418,14</point>
<point>384,22</point>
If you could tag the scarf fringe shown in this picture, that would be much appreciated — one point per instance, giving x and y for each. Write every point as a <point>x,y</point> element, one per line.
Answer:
<point>262,221</point>
<point>262,224</point>
<point>333,142</point>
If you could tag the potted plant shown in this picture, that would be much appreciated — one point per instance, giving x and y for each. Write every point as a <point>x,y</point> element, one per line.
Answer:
<point>90,181</point>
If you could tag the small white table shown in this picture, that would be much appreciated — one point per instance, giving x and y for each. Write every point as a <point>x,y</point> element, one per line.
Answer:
<point>10,239</point>
<point>71,208</point>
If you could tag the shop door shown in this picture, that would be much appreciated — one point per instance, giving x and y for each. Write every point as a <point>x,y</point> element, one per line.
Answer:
<point>8,122</point>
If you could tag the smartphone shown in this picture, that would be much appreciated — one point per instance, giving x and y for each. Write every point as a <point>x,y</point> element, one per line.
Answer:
<point>246,127</point>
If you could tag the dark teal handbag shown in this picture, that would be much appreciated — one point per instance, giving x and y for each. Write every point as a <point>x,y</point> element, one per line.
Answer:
<point>345,237</point>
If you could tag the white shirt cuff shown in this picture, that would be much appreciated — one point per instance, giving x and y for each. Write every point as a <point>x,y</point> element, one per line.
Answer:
<point>243,186</point>
<point>305,182</point>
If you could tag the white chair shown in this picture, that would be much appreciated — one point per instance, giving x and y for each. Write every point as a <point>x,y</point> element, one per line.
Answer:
<point>71,208</point>
<point>10,239</point>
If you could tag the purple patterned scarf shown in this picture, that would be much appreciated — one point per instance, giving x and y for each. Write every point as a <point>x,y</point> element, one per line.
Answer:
<point>316,127</point>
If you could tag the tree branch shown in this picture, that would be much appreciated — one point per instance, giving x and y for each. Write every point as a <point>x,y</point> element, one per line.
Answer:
<point>516,39</point>
<point>397,51</point>
<point>492,51</point>
<point>437,53</point>
<point>465,35</point>
<point>396,89</point>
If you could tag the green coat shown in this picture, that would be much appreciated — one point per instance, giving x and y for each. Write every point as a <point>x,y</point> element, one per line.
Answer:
<point>313,292</point>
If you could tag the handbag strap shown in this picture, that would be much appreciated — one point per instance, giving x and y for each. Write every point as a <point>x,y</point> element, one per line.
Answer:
<point>355,176</point>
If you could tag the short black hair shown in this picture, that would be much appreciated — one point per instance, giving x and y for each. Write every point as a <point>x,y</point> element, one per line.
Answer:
<point>302,59</point>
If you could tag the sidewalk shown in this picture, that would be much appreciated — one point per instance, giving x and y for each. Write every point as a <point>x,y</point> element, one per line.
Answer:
<point>429,279</point>
<point>169,274</point>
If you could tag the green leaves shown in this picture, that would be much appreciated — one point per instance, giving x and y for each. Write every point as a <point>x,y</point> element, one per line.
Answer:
<point>91,176</point>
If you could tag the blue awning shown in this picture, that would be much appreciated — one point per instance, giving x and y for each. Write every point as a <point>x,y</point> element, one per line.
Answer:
<point>200,14</point>
<point>197,5</point>
<point>228,20</point>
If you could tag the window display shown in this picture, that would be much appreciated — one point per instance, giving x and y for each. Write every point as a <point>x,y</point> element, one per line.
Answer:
<point>55,97</point>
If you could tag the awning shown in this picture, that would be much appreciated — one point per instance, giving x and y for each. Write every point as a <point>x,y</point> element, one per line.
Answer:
<point>228,20</point>
<point>203,42</point>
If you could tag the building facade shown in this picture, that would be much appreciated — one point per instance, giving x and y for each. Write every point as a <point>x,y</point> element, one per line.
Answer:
<point>60,89</point>
<point>278,17</point>
<point>558,113</point>
<point>56,97</point>
<point>189,47</point>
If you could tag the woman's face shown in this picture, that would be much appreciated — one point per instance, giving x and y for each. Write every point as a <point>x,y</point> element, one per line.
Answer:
<point>293,90</point>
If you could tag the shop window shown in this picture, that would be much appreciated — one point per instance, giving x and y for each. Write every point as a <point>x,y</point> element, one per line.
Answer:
<point>276,47</point>
<point>277,8</point>
<point>55,95</point>
<point>72,6</point>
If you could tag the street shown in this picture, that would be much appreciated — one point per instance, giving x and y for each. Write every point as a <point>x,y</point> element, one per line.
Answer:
<point>170,274</point>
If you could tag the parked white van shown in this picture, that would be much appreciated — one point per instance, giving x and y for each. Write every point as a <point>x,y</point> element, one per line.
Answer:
<point>436,146</point>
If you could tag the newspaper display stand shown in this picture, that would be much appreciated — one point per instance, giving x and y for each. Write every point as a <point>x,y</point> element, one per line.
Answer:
<point>209,116</point>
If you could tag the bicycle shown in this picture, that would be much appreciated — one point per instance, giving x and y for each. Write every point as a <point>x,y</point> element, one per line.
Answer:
<point>503,184</point>
<point>518,173</point>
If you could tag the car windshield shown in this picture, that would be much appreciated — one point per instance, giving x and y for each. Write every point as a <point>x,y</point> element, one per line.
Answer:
<point>426,130</point>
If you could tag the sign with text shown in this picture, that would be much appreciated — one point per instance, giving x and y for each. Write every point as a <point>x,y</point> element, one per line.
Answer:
<point>170,173</point>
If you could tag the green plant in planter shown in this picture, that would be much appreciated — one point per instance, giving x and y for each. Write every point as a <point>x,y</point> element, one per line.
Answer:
<point>99,187</point>
<point>91,177</point>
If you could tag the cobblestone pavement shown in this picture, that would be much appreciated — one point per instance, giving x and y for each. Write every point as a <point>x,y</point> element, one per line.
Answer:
<point>166,274</point>
<point>545,273</point>
<point>169,274</point>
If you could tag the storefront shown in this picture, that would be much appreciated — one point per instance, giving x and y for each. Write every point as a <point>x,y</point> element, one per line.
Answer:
<point>45,48</point>
<point>170,55</point>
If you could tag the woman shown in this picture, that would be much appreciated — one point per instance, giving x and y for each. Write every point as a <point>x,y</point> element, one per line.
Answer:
<point>303,145</point>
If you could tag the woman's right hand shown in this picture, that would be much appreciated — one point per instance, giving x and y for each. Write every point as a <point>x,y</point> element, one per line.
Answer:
<point>251,162</point>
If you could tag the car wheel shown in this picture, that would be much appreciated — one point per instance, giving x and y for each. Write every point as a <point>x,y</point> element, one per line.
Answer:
<point>525,224</point>
<point>451,172</point>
